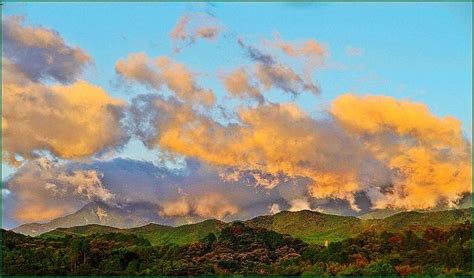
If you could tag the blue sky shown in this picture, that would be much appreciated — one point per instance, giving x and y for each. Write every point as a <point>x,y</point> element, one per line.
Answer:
<point>421,52</point>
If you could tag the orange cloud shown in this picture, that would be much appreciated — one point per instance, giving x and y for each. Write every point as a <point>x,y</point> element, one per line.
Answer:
<point>212,205</point>
<point>426,178</point>
<point>379,114</point>
<point>45,190</point>
<point>163,71</point>
<point>238,84</point>
<point>310,48</point>
<point>360,147</point>
<point>193,26</point>
<point>73,121</point>
<point>428,156</point>
<point>137,67</point>
<point>272,138</point>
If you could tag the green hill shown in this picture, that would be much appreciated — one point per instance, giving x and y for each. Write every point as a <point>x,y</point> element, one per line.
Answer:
<point>418,221</point>
<point>160,235</point>
<point>155,233</point>
<point>310,226</point>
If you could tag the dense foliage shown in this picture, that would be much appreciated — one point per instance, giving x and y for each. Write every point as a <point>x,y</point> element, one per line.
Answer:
<point>240,249</point>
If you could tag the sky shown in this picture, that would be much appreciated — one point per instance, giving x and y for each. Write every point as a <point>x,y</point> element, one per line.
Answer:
<point>408,53</point>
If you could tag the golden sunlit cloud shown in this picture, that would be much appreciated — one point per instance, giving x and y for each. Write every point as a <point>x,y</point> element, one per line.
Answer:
<point>334,154</point>
<point>428,155</point>
<point>163,71</point>
<point>211,205</point>
<point>238,84</point>
<point>73,121</point>
<point>380,114</point>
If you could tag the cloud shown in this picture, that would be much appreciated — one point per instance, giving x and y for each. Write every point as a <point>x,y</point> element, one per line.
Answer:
<point>274,208</point>
<point>192,27</point>
<point>311,53</point>
<point>272,138</point>
<point>211,205</point>
<point>274,74</point>
<point>427,178</point>
<point>368,144</point>
<point>428,157</point>
<point>299,204</point>
<point>238,84</point>
<point>255,54</point>
<point>45,190</point>
<point>71,121</point>
<point>40,53</point>
<point>138,67</point>
<point>382,114</point>
<point>163,71</point>
<point>190,193</point>
<point>280,77</point>
<point>310,49</point>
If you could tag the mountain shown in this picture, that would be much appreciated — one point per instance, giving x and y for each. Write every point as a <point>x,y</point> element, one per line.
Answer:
<point>97,213</point>
<point>418,221</point>
<point>309,226</point>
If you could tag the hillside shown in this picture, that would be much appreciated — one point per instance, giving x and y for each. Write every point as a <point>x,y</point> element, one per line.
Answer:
<point>310,226</point>
<point>244,251</point>
<point>155,233</point>
<point>418,221</point>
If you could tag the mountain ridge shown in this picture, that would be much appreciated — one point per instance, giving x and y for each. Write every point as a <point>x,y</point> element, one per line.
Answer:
<point>308,226</point>
<point>95,213</point>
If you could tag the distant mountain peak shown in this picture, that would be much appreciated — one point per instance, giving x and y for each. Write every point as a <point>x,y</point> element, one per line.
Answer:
<point>96,212</point>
